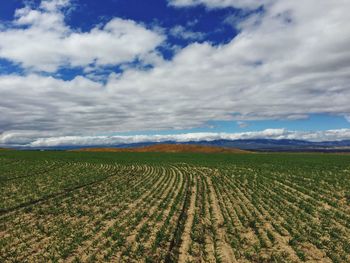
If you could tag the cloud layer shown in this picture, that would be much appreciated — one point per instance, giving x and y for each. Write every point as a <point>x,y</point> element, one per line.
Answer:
<point>290,60</point>
<point>32,140</point>
<point>50,44</point>
<point>246,4</point>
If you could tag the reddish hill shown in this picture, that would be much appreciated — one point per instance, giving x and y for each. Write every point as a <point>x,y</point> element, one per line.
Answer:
<point>4,149</point>
<point>168,148</point>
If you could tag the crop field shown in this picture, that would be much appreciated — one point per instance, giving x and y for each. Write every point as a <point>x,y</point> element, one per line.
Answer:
<point>153,207</point>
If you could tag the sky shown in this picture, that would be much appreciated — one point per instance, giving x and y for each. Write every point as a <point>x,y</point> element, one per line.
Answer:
<point>85,72</point>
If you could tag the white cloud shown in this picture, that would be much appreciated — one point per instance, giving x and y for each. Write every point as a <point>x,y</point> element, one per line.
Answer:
<point>292,61</point>
<point>54,5</point>
<point>181,32</point>
<point>246,4</point>
<point>51,44</point>
<point>32,140</point>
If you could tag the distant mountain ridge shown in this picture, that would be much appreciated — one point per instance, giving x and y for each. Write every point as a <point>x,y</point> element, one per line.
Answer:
<point>257,144</point>
<point>280,145</point>
<point>283,145</point>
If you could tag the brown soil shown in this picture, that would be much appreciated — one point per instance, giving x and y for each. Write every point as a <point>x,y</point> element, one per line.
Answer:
<point>169,148</point>
<point>225,251</point>
<point>313,254</point>
<point>186,236</point>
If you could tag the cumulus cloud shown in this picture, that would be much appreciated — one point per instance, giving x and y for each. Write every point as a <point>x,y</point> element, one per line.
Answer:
<point>293,60</point>
<point>54,5</point>
<point>272,69</point>
<point>51,44</point>
<point>32,139</point>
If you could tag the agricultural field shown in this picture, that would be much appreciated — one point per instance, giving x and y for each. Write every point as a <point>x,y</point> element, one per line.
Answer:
<point>157,207</point>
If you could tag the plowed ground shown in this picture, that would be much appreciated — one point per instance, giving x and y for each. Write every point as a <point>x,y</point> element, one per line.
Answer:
<point>84,211</point>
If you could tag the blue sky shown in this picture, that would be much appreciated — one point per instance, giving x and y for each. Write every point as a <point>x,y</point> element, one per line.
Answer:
<point>154,13</point>
<point>318,122</point>
<point>81,69</point>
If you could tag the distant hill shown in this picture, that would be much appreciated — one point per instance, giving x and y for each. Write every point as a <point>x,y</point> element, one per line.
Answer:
<point>256,145</point>
<point>4,149</point>
<point>168,148</point>
<point>281,145</point>
<point>263,145</point>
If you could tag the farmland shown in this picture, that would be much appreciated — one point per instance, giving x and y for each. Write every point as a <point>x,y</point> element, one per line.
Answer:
<point>175,207</point>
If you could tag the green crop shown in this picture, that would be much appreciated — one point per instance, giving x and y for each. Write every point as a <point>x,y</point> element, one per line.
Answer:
<point>156,207</point>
